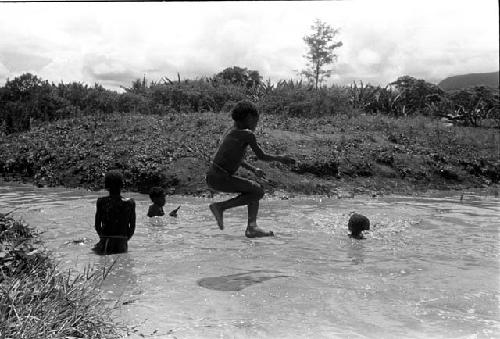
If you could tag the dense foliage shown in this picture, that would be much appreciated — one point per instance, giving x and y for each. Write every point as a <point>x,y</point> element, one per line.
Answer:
<point>173,151</point>
<point>27,100</point>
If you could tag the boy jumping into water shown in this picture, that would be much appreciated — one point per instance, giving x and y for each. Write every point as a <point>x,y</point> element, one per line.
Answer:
<point>114,217</point>
<point>228,159</point>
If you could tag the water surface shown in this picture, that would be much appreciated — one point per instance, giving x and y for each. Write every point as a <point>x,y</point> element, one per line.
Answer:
<point>429,268</point>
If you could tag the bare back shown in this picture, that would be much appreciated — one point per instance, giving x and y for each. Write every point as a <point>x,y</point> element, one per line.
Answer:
<point>115,216</point>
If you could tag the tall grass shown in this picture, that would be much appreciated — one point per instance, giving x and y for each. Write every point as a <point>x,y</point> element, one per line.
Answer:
<point>39,301</point>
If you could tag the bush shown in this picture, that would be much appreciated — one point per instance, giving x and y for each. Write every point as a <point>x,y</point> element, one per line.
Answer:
<point>28,99</point>
<point>299,100</point>
<point>38,301</point>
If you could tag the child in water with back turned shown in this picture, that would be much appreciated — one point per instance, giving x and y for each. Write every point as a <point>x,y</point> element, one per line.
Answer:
<point>357,224</point>
<point>114,218</point>
<point>229,157</point>
<point>157,196</point>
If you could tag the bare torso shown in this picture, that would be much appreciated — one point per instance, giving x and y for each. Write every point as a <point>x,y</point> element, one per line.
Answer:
<point>115,216</point>
<point>232,150</point>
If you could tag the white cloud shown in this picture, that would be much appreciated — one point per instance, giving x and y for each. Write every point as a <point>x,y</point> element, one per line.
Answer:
<point>369,57</point>
<point>382,39</point>
<point>4,72</point>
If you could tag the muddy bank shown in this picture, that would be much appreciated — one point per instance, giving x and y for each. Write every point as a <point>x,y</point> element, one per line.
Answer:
<point>338,155</point>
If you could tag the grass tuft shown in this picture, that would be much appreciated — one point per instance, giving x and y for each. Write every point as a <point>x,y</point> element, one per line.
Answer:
<point>39,301</point>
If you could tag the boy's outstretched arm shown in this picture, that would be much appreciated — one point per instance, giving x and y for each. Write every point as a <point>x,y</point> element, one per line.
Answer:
<point>268,157</point>
<point>255,170</point>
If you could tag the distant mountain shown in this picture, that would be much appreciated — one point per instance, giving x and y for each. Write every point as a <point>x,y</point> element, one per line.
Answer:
<point>470,80</point>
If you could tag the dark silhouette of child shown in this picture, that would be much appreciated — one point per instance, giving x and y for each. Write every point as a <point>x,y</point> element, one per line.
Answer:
<point>114,218</point>
<point>157,196</point>
<point>229,157</point>
<point>357,224</point>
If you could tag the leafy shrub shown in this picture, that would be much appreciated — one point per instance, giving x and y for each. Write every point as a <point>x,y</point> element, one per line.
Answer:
<point>27,99</point>
<point>476,104</point>
<point>299,100</point>
<point>329,168</point>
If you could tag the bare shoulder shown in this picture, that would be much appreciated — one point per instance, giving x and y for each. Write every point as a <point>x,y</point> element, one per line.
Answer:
<point>129,201</point>
<point>101,200</point>
<point>245,134</point>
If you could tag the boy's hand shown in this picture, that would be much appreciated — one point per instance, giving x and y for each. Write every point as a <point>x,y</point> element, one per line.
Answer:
<point>287,160</point>
<point>260,173</point>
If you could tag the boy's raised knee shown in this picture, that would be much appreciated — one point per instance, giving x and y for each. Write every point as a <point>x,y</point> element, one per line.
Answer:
<point>259,192</point>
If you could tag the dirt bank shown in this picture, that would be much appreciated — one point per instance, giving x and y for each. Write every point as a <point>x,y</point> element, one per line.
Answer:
<point>338,155</point>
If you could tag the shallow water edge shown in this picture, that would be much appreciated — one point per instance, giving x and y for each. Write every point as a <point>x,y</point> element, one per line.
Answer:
<point>429,267</point>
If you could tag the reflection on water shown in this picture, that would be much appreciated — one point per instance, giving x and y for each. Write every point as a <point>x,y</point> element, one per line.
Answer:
<point>427,269</point>
<point>239,281</point>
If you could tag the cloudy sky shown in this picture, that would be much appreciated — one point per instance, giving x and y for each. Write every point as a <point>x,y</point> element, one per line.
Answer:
<point>115,43</point>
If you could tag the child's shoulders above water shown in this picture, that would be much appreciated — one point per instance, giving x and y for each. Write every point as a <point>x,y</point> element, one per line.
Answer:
<point>155,211</point>
<point>128,201</point>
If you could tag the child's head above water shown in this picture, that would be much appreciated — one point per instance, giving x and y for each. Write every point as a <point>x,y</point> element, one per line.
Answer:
<point>245,115</point>
<point>357,224</point>
<point>157,196</point>
<point>113,182</point>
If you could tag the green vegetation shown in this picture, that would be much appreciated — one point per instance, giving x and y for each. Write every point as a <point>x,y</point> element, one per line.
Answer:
<point>37,300</point>
<point>320,53</point>
<point>358,138</point>
<point>27,100</point>
<point>162,133</point>
<point>367,152</point>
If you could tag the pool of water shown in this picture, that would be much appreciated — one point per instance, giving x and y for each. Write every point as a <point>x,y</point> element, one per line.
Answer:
<point>429,268</point>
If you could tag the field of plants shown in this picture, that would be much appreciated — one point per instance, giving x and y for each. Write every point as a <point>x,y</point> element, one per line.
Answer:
<point>335,153</point>
<point>357,137</point>
<point>28,100</point>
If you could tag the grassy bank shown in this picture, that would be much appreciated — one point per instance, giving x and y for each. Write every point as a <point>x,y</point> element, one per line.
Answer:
<point>37,300</point>
<point>350,152</point>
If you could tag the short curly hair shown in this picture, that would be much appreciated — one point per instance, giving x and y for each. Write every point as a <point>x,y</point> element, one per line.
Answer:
<point>113,181</point>
<point>156,192</point>
<point>242,109</point>
<point>357,223</point>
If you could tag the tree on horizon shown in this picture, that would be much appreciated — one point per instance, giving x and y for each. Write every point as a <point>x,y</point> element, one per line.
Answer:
<point>321,48</point>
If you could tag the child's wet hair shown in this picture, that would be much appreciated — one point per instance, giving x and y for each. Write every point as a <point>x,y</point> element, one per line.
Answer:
<point>358,223</point>
<point>113,181</point>
<point>156,192</point>
<point>242,109</point>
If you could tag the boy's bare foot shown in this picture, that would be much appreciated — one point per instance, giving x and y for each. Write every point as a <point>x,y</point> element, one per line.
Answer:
<point>216,211</point>
<point>256,232</point>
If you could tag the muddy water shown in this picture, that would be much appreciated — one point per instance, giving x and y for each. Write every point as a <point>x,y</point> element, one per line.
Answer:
<point>429,268</point>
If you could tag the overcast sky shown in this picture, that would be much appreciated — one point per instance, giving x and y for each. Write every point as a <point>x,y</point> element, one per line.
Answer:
<point>115,43</point>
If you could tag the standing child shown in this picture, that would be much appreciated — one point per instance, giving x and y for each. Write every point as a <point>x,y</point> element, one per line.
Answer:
<point>157,196</point>
<point>228,158</point>
<point>114,218</point>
